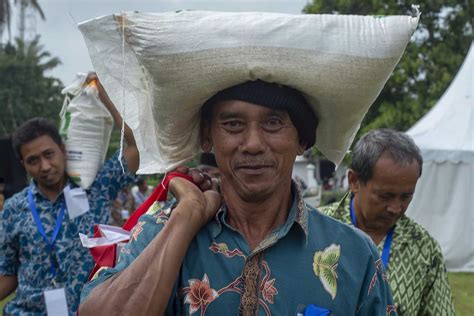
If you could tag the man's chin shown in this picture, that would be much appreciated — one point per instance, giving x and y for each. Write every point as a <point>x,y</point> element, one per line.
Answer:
<point>388,223</point>
<point>255,193</point>
<point>49,182</point>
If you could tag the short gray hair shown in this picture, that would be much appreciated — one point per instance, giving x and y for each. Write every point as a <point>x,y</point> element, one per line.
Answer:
<point>367,151</point>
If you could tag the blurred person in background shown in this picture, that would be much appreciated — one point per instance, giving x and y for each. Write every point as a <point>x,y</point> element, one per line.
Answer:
<point>141,191</point>
<point>123,207</point>
<point>2,196</point>
<point>40,250</point>
<point>385,168</point>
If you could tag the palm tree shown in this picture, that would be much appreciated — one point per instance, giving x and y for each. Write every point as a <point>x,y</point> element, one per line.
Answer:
<point>5,17</point>
<point>26,90</point>
<point>6,11</point>
<point>23,5</point>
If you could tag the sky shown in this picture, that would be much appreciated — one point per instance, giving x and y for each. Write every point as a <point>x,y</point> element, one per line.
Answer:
<point>60,36</point>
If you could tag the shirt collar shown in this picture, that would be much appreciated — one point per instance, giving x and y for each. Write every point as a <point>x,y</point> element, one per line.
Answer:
<point>298,214</point>
<point>343,208</point>
<point>36,191</point>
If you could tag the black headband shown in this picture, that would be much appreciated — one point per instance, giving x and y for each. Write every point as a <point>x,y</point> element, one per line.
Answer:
<point>274,96</point>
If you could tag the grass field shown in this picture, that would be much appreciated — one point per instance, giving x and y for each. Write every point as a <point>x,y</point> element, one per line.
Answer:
<point>462,285</point>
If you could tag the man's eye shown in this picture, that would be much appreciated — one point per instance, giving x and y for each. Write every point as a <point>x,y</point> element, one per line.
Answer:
<point>49,154</point>
<point>385,196</point>
<point>233,125</point>
<point>32,161</point>
<point>273,124</point>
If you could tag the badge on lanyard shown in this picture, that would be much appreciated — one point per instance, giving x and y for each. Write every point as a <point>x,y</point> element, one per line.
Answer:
<point>56,303</point>
<point>55,298</point>
<point>76,201</point>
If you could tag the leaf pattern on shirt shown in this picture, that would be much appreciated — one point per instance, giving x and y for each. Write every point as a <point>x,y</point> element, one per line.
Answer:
<point>161,217</point>
<point>222,248</point>
<point>154,208</point>
<point>324,266</point>
<point>137,230</point>
<point>98,272</point>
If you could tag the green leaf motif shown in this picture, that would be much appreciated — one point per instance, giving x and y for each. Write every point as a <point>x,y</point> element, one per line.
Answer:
<point>154,208</point>
<point>324,266</point>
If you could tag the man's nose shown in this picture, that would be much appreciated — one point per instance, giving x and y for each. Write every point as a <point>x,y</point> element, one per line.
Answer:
<point>45,164</point>
<point>253,142</point>
<point>395,206</point>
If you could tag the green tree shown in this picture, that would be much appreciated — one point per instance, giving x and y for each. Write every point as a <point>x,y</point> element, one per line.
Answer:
<point>429,64</point>
<point>25,89</point>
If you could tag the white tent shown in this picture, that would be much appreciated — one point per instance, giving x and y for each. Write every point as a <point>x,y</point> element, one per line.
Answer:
<point>443,201</point>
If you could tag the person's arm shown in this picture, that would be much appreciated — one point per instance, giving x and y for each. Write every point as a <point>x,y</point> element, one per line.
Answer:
<point>130,153</point>
<point>437,298</point>
<point>9,249</point>
<point>8,284</point>
<point>145,286</point>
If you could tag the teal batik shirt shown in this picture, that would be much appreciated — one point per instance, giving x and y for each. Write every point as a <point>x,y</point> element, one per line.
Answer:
<point>310,259</point>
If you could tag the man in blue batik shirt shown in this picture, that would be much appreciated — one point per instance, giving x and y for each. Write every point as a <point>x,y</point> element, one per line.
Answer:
<point>40,249</point>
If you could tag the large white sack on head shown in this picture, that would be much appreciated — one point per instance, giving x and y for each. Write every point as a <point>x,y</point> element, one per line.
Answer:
<point>86,126</point>
<point>175,61</point>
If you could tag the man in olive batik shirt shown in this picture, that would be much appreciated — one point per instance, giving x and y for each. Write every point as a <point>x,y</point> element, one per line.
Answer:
<point>385,167</point>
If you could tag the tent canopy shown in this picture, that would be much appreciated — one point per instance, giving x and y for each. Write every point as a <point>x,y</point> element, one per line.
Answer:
<point>443,201</point>
<point>446,132</point>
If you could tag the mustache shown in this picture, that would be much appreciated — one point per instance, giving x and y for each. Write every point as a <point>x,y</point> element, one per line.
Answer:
<point>254,163</point>
<point>389,217</point>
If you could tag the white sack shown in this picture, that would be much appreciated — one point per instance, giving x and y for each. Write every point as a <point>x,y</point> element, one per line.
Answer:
<point>86,126</point>
<point>175,61</point>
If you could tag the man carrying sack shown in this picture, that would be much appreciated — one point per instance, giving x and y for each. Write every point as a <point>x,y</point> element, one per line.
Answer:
<point>41,256</point>
<point>254,247</point>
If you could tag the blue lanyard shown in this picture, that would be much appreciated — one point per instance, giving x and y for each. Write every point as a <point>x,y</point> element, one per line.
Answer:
<point>37,219</point>
<point>388,239</point>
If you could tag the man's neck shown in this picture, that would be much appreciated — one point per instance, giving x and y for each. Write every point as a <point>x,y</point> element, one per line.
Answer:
<point>52,192</point>
<point>375,235</point>
<point>256,220</point>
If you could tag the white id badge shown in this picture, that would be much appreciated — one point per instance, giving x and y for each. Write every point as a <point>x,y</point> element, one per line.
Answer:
<point>76,201</point>
<point>56,304</point>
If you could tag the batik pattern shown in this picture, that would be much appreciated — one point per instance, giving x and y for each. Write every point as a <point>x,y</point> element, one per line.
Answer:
<point>24,253</point>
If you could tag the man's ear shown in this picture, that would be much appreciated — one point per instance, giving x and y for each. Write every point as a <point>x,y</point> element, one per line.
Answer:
<point>205,137</point>
<point>63,148</point>
<point>301,147</point>
<point>354,183</point>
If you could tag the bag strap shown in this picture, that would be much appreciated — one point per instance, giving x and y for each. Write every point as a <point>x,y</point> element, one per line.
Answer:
<point>159,194</point>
